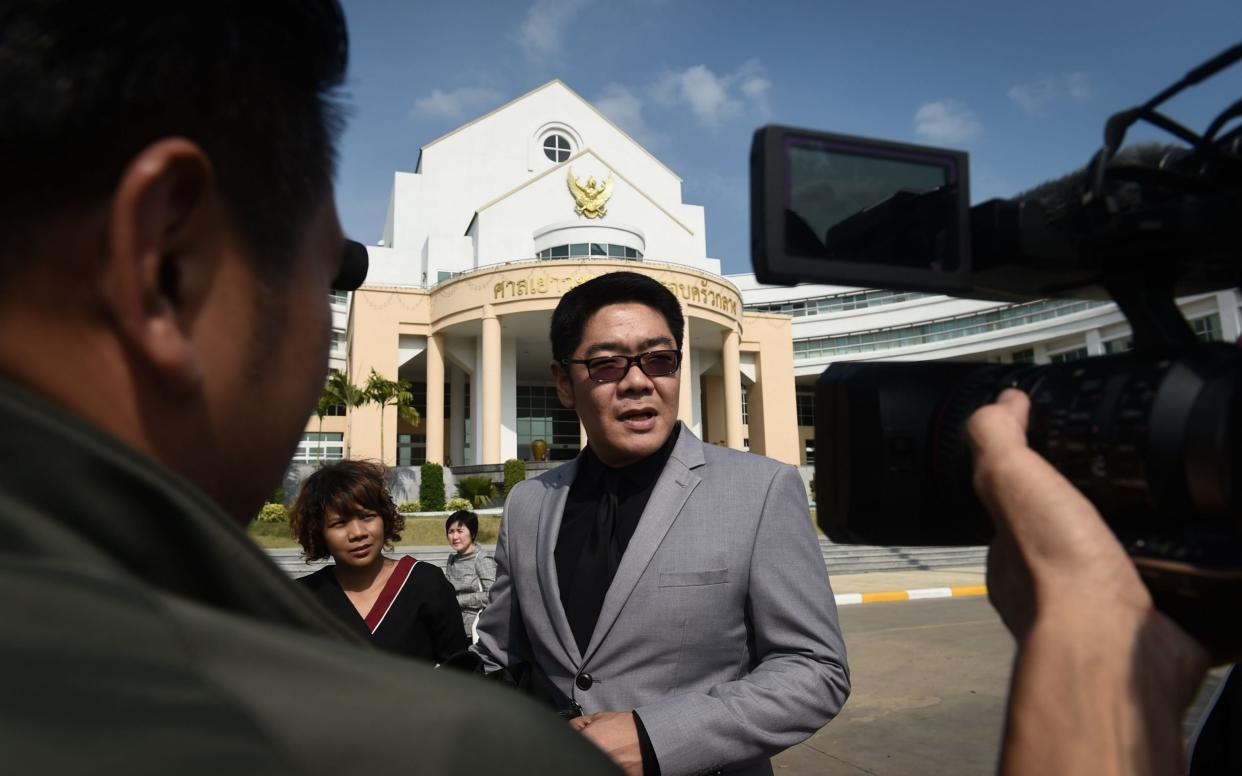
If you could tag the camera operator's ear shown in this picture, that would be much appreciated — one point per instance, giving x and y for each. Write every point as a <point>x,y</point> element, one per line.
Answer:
<point>163,247</point>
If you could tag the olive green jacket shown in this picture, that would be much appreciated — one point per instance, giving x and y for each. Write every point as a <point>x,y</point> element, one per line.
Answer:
<point>142,632</point>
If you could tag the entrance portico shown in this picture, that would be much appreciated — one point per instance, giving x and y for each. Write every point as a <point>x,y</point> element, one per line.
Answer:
<point>476,348</point>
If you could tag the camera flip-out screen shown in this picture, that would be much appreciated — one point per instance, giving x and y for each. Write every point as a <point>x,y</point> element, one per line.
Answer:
<point>848,211</point>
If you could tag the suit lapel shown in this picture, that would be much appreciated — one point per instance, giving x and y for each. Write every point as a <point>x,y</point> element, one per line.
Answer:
<point>673,487</point>
<point>551,510</point>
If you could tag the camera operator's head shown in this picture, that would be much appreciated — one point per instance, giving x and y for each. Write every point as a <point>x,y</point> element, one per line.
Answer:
<point>167,228</point>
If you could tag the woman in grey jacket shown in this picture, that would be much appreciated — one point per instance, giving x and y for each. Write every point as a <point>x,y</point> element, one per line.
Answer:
<point>471,571</point>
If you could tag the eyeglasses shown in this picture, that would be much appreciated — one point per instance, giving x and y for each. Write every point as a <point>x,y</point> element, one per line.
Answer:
<point>610,369</point>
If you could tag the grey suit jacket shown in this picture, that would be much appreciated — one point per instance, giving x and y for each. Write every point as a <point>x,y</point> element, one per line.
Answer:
<point>719,629</point>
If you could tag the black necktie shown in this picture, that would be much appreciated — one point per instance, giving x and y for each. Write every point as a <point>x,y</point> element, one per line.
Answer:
<point>597,565</point>
<point>605,535</point>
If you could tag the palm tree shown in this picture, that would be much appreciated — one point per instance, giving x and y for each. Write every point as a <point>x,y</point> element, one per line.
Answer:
<point>384,392</point>
<point>345,393</point>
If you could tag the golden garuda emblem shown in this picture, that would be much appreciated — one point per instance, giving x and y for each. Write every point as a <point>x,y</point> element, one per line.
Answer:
<point>590,197</point>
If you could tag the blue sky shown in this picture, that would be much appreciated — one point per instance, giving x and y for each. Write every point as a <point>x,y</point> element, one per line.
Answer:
<point>1025,88</point>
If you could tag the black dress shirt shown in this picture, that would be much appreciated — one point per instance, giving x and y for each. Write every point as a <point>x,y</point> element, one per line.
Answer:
<point>632,486</point>
<point>583,587</point>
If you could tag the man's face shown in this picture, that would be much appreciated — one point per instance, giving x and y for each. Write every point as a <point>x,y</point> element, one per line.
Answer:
<point>263,391</point>
<point>629,419</point>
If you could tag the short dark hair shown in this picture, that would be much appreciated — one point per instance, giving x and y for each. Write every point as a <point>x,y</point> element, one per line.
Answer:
<point>340,487</point>
<point>467,518</point>
<point>576,307</point>
<point>84,87</point>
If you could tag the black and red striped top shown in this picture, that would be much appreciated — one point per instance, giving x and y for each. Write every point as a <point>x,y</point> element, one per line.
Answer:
<point>415,615</point>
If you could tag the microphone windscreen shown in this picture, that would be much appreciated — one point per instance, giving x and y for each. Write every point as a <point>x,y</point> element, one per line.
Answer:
<point>354,264</point>
<point>1064,195</point>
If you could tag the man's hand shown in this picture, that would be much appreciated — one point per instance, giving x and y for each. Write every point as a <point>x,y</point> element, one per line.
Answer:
<point>616,734</point>
<point>1052,550</point>
<point>1101,679</point>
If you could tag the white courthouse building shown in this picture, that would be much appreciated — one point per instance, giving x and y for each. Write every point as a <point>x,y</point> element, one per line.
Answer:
<point>507,212</point>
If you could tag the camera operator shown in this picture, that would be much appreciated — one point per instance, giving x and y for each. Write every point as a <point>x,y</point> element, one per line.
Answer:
<point>168,239</point>
<point>1102,679</point>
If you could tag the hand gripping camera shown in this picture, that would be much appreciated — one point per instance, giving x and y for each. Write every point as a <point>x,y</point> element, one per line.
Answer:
<point>1153,436</point>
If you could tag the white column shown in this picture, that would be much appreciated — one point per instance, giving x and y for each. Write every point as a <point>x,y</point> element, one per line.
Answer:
<point>457,416</point>
<point>433,423</point>
<point>490,369</point>
<point>1227,308</point>
<point>685,397</point>
<point>1040,352</point>
<point>1095,346</point>
<point>508,399</point>
<point>731,365</point>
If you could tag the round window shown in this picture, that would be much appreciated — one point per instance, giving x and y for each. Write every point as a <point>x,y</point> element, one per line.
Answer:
<point>556,147</point>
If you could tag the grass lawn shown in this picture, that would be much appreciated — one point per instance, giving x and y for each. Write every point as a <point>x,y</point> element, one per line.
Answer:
<point>418,530</point>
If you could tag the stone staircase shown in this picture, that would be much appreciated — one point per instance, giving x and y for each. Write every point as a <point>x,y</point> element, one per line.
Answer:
<point>839,558</point>
<point>861,558</point>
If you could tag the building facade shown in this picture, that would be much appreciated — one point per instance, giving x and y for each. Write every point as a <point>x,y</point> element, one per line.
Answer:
<point>506,213</point>
<point>839,323</point>
<point>499,219</point>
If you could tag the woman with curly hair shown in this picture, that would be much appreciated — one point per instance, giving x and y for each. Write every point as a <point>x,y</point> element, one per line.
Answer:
<point>405,606</point>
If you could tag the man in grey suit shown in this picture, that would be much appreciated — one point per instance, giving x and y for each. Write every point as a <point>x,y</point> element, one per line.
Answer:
<point>668,595</point>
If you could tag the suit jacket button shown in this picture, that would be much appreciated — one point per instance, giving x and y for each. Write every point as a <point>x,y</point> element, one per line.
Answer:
<point>584,681</point>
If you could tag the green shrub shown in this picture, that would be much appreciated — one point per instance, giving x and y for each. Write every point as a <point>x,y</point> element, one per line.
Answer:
<point>431,488</point>
<point>455,504</point>
<point>278,495</point>
<point>409,506</point>
<point>478,490</point>
<point>273,513</point>
<point>515,472</point>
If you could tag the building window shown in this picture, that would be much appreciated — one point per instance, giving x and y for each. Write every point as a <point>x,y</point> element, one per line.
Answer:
<point>338,340</point>
<point>590,251</point>
<point>745,406</point>
<point>853,300</point>
<point>1119,345</point>
<point>810,452</point>
<point>1023,356</point>
<point>939,330</point>
<point>556,147</point>
<point>411,449</point>
<point>806,408</point>
<point>540,415</point>
<point>338,297</point>
<point>1207,328</point>
<point>320,446</point>
<point>1068,355</point>
<point>335,410</point>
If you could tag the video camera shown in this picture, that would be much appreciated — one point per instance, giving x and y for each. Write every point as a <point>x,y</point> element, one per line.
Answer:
<point>1153,437</point>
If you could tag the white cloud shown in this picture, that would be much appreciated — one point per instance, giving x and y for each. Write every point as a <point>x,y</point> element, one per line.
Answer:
<point>714,98</point>
<point>1037,97</point>
<point>1079,87</point>
<point>544,27</point>
<point>946,121</point>
<point>624,107</point>
<point>458,103</point>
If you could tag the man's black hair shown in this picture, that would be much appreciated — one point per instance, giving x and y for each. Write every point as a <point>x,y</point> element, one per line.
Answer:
<point>85,86</point>
<point>576,307</point>
<point>467,518</point>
